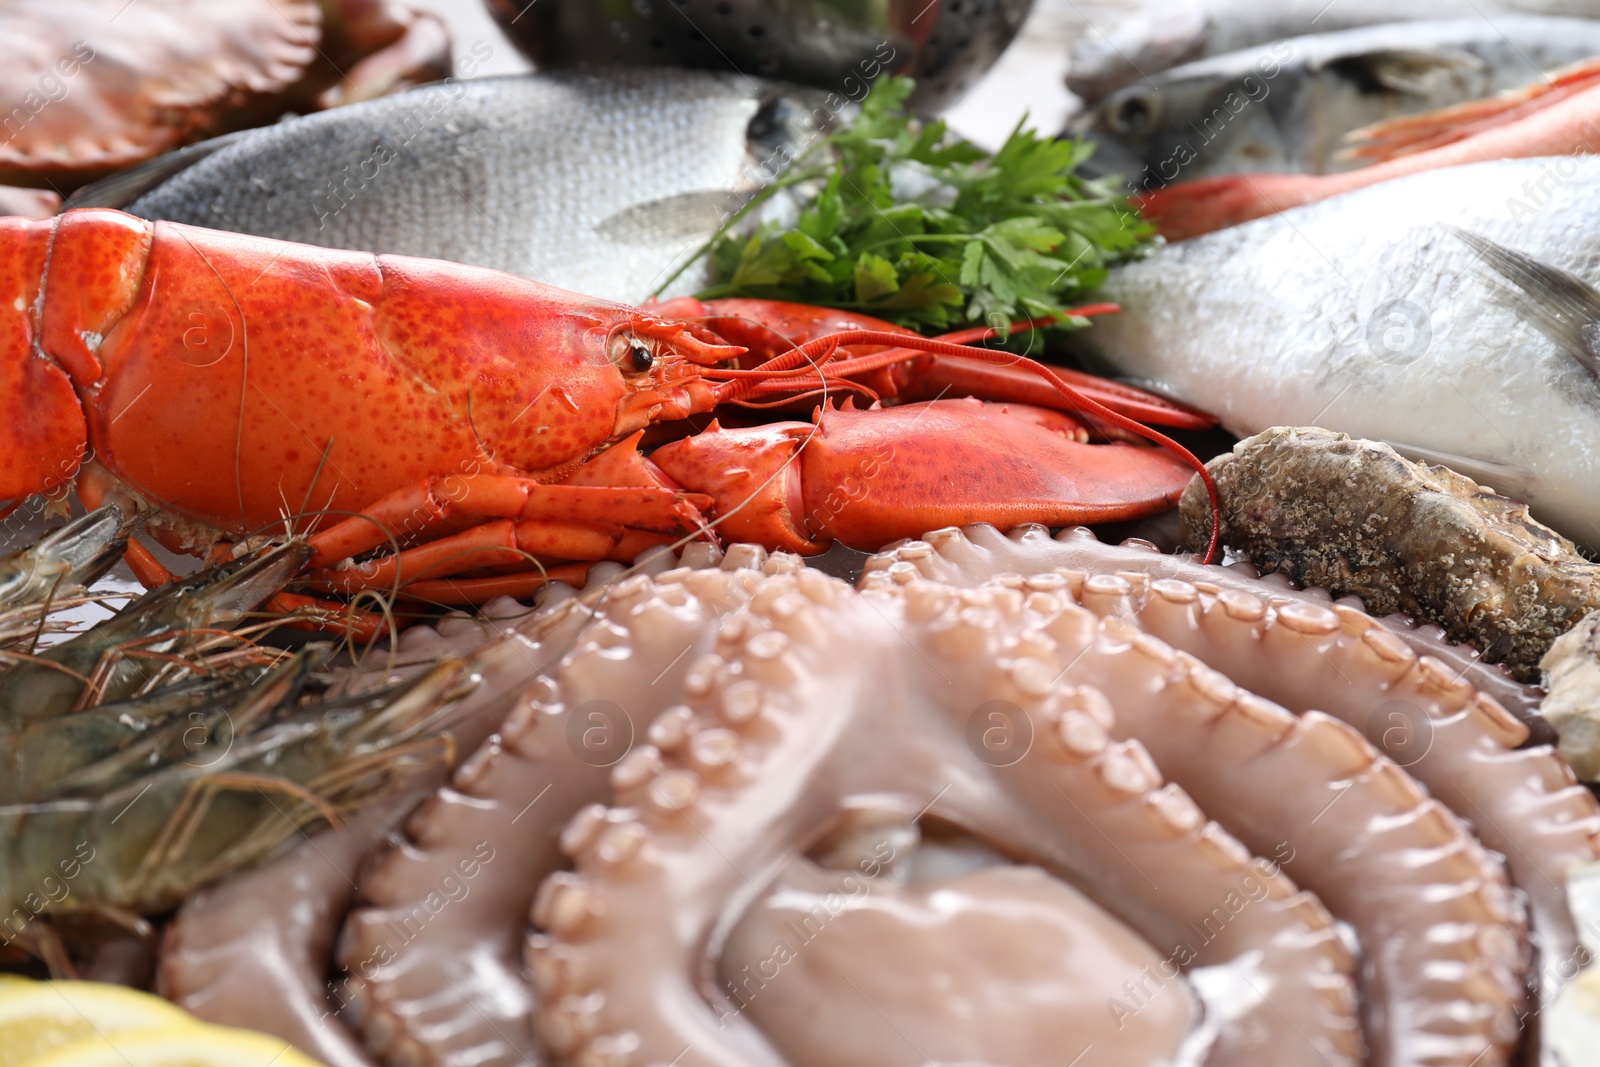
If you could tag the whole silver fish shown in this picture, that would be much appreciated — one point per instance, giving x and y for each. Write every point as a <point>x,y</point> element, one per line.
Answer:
<point>1450,313</point>
<point>1286,106</point>
<point>1165,33</point>
<point>597,182</point>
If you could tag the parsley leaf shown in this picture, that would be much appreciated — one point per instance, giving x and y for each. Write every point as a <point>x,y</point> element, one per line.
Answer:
<point>927,230</point>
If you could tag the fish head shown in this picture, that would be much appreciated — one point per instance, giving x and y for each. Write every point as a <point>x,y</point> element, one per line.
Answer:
<point>1126,129</point>
<point>662,364</point>
<point>1181,126</point>
<point>1142,44</point>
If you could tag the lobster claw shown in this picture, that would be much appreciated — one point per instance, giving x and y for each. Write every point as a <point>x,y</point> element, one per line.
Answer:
<point>755,478</point>
<point>871,477</point>
<point>43,435</point>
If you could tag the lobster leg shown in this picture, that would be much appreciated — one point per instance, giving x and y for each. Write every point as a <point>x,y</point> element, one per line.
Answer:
<point>616,487</point>
<point>314,613</point>
<point>310,612</point>
<point>870,477</point>
<point>520,543</point>
<point>459,591</point>
<point>149,570</point>
<point>425,508</point>
<point>614,506</point>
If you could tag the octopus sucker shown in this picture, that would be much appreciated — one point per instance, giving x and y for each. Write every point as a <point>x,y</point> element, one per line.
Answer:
<point>621,965</point>
<point>432,953</point>
<point>1524,803</point>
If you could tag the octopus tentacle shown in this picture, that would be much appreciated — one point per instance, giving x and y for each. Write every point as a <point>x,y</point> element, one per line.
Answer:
<point>1409,863</point>
<point>823,697</point>
<point>433,954</point>
<point>977,553</point>
<point>229,960</point>
<point>1389,862</point>
<point>1463,662</point>
<point>1523,802</point>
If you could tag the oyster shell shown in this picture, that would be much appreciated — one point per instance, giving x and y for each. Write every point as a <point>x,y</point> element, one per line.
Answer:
<point>1572,677</point>
<point>1359,518</point>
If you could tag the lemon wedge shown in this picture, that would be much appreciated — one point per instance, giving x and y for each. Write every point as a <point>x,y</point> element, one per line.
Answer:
<point>188,1045</point>
<point>36,1017</point>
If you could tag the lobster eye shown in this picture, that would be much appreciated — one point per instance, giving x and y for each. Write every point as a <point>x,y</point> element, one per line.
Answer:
<point>630,355</point>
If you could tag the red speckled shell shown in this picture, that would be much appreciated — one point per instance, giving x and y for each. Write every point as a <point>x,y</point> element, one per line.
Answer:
<point>243,362</point>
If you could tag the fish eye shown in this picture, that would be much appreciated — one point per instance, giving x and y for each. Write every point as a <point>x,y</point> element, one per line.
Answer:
<point>630,355</point>
<point>1134,114</point>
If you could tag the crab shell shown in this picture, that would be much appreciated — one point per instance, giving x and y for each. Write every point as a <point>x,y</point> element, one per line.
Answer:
<point>93,86</point>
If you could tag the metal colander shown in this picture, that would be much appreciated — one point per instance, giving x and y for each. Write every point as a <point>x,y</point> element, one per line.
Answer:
<point>835,45</point>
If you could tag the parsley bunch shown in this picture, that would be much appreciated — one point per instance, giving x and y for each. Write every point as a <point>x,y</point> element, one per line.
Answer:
<point>925,230</point>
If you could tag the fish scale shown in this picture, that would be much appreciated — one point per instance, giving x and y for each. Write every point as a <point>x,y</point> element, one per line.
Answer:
<point>1367,314</point>
<point>596,182</point>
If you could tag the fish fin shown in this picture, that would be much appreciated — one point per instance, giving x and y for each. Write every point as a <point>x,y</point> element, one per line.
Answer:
<point>126,186</point>
<point>1412,71</point>
<point>1562,306</point>
<point>1409,134</point>
<point>679,217</point>
<point>1501,478</point>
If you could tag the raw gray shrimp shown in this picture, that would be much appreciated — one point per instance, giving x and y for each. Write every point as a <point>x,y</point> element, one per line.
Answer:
<point>74,556</point>
<point>93,751</point>
<point>52,744</point>
<point>143,846</point>
<point>56,571</point>
<point>162,622</point>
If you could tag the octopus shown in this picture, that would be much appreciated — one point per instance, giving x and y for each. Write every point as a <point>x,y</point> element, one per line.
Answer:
<point>93,86</point>
<point>1356,517</point>
<point>1015,799</point>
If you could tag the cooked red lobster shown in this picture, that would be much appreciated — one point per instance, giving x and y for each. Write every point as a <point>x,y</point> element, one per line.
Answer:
<point>466,433</point>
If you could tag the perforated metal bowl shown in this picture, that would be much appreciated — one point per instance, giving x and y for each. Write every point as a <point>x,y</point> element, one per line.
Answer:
<point>831,44</point>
